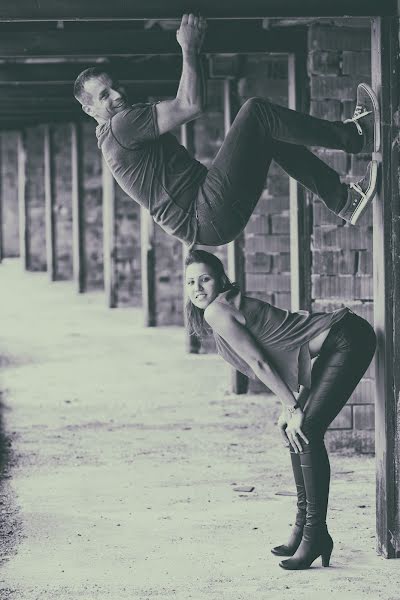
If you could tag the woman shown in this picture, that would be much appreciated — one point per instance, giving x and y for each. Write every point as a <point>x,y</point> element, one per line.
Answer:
<point>276,346</point>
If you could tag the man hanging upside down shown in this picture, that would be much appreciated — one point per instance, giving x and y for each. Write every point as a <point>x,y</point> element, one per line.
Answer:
<point>212,206</point>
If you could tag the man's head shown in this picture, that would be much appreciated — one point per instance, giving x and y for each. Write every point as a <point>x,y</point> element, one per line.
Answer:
<point>99,93</point>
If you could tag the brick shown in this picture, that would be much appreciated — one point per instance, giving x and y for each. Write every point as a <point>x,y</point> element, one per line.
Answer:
<point>341,87</point>
<point>325,37</point>
<point>336,159</point>
<point>364,392</point>
<point>269,204</point>
<point>267,243</point>
<point>269,283</point>
<point>324,63</point>
<point>258,224</point>
<point>323,216</point>
<point>281,263</point>
<point>258,263</point>
<point>344,419</point>
<point>326,109</point>
<point>351,238</point>
<point>364,416</point>
<point>334,262</point>
<point>280,223</point>
<point>365,262</point>
<point>282,300</point>
<point>359,165</point>
<point>356,62</point>
<point>342,286</point>
<point>361,442</point>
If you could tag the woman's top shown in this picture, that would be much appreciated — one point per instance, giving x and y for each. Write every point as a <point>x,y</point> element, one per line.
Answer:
<point>282,336</point>
<point>153,169</point>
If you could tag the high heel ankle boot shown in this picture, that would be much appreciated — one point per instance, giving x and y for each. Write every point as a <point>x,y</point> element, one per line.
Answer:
<point>316,540</point>
<point>297,532</point>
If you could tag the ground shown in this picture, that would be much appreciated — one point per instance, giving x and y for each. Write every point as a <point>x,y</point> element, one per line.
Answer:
<point>121,457</point>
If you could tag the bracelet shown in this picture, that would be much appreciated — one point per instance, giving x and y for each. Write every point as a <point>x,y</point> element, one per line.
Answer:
<point>292,409</point>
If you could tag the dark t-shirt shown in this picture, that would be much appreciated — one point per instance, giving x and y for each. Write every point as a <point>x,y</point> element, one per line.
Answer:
<point>154,170</point>
<point>282,336</point>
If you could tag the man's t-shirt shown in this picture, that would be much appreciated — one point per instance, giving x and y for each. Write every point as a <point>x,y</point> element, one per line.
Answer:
<point>154,170</point>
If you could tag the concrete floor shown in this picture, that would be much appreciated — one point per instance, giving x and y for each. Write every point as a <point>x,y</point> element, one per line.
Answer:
<point>121,454</point>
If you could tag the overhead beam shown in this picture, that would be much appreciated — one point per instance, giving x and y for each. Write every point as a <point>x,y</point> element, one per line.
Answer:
<point>145,69</point>
<point>51,10</point>
<point>235,38</point>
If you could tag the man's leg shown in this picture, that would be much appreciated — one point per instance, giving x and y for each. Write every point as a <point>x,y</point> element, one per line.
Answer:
<point>237,176</point>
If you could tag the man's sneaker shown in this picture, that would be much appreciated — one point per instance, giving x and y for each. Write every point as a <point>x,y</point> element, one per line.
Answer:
<point>366,118</point>
<point>360,195</point>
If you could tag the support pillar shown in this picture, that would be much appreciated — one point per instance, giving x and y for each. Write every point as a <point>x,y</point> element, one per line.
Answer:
<point>109,241</point>
<point>148,251</point>
<point>386,244</point>
<point>22,208</point>
<point>192,342</point>
<point>235,249</point>
<point>77,210</point>
<point>49,205</point>
<point>300,209</point>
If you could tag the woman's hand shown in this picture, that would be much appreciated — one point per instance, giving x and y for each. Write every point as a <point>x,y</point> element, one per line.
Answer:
<point>282,424</point>
<point>191,32</point>
<point>293,430</point>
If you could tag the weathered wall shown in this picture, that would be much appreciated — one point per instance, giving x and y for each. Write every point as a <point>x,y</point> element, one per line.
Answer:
<point>62,199</point>
<point>35,198</point>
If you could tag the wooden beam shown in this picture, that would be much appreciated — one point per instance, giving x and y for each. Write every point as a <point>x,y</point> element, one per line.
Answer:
<point>237,38</point>
<point>300,215</point>
<point>192,342</point>
<point>148,261</point>
<point>22,207</point>
<point>109,241</point>
<point>386,269</point>
<point>63,10</point>
<point>235,255</point>
<point>49,205</point>
<point>160,69</point>
<point>78,254</point>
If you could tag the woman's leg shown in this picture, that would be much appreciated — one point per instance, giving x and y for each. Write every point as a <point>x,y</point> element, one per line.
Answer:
<point>237,176</point>
<point>344,358</point>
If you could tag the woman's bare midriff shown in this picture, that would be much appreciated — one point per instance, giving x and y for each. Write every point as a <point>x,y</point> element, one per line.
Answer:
<point>315,344</point>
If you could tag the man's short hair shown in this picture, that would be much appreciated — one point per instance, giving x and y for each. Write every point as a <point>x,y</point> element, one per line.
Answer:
<point>80,93</point>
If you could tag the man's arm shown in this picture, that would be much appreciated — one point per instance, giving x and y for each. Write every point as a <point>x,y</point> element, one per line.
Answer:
<point>189,101</point>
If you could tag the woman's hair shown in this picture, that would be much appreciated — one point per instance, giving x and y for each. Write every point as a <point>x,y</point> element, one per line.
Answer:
<point>195,316</point>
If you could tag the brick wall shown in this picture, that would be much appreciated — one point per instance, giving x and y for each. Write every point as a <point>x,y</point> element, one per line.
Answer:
<point>62,199</point>
<point>35,199</point>
<point>127,252</point>
<point>339,59</point>
<point>9,194</point>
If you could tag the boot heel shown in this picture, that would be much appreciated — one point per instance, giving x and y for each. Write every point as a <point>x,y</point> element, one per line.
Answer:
<point>326,556</point>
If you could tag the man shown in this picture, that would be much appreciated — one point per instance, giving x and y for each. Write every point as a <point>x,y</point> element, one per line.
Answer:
<point>212,206</point>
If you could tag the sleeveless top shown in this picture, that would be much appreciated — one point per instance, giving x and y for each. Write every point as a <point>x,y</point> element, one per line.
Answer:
<point>282,335</point>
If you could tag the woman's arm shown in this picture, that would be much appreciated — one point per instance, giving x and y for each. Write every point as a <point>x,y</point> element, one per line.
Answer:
<point>223,322</point>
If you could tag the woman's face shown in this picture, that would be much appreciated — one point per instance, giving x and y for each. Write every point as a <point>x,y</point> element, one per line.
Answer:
<point>201,284</point>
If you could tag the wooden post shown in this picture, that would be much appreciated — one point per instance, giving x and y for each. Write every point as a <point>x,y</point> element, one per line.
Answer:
<point>109,241</point>
<point>49,204</point>
<point>192,342</point>
<point>1,202</point>
<point>300,216</point>
<point>235,255</point>
<point>78,257</point>
<point>22,207</point>
<point>147,247</point>
<point>386,243</point>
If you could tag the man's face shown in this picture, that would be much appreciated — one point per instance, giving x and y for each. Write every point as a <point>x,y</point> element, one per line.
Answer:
<point>107,98</point>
